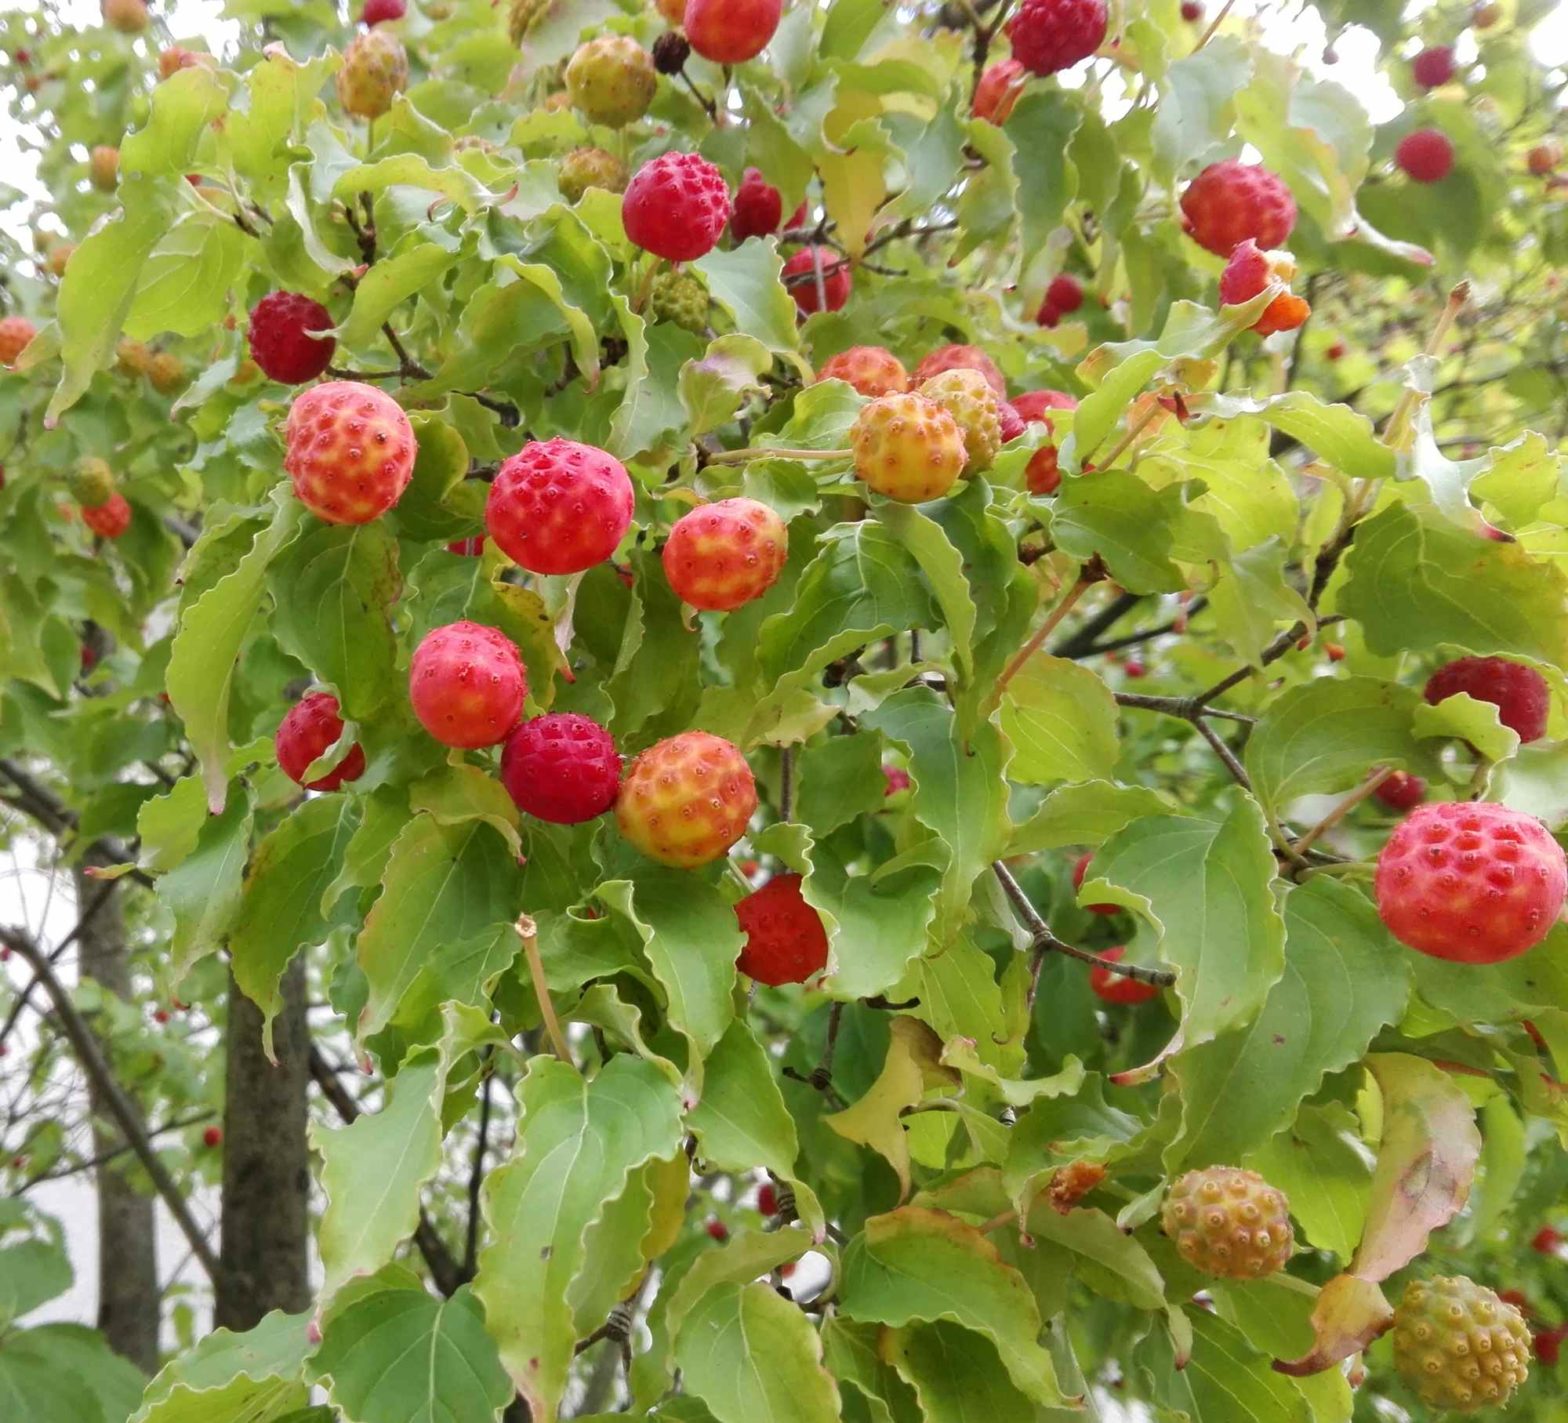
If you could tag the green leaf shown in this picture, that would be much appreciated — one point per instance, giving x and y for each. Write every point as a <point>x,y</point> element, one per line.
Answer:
<point>205,890</point>
<point>186,280</point>
<point>32,1272</point>
<point>745,282</point>
<point>1198,103</point>
<point>36,1390</point>
<point>1337,434</point>
<point>1320,1166</point>
<point>388,284</point>
<point>254,1377</point>
<point>1255,599</point>
<point>1061,720</point>
<point>714,388</point>
<point>1041,126</point>
<point>1087,814</point>
<point>1225,1381</point>
<point>956,1374</point>
<point>81,1354</point>
<point>1141,533</point>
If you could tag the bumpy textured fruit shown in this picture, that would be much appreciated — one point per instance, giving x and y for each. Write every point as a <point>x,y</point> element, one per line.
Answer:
<point>759,207</point>
<point>831,291</point>
<point>467,683</point>
<point>1228,1222</point>
<point>785,940</point>
<point>679,297</point>
<point>959,358</point>
<point>676,206</point>
<point>1043,475</point>
<point>725,554</point>
<point>588,167</point>
<point>611,80</point>
<point>1458,1345</point>
<point>349,450</point>
<point>103,167</point>
<point>1113,987</point>
<point>1013,424</point>
<point>872,370</point>
<point>59,258</point>
<point>1080,873</point>
<point>374,72</point>
<point>381,12</point>
<point>1470,882</point>
<point>1248,271</point>
<point>1063,297</point>
<point>687,799</point>
<point>561,767</point>
<point>280,340</point>
<point>523,15</point>
<point>129,17</point>
<point>966,396</point>
<point>1519,692</point>
<point>15,333</point>
<point>1051,35</point>
<point>110,519</point>
<point>907,448</point>
<point>309,729</point>
<point>91,481</point>
<point>731,31</point>
<point>1401,791</point>
<point>1433,67</point>
<point>1229,202</point>
<point>559,507</point>
<point>166,373</point>
<point>1425,156</point>
<point>998,90</point>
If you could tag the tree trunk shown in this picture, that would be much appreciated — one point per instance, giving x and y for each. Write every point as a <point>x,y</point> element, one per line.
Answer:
<point>266,1162</point>
<point>128,1291</point>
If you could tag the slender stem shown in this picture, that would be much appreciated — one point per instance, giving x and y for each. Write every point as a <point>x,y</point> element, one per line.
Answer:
<point>1224,752</point>
<point>529,931</point>
<point>1214,25</point>
<point>761,453</point>
<point>1121,446</point>
<point>645,286</point>
<point>1398,422</point>
<point>1179,707</point>
<point>1340,811</point>
<point>1052,620</point>
<point>786,782</point>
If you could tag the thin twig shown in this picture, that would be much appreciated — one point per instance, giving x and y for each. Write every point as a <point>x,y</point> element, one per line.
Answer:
<point>529,933</point>
<point>1080,586</point>
<point>1340,811</point>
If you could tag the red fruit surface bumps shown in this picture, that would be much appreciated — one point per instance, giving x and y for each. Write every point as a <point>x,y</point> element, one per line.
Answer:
<point>998,90</point>
<point>785,940</point>
<point>828,294</point>
<point>725,554</point>
<point>1402,791</point>
<point>1425,156</point>
<point>15,333</point>
<point>1519,692</point>
<point>676,206</point>
<point>1051,35</point>
<point>1042,474</point>
<point>687,799</point>
<point>1012,424</point>
<point>559,507</point>
<point>1470,882</point>
<point>561,767</point>
<point>1229,202</point>
<point>1080,873</point>
<point>907,447</point>
<point>379,12</point>
<point>1063,297</point>
<point>310,728</point>
<point>280,342</point>
<point>1116,987</point>
<point>731,31</point>
<point>1434,67</point>
<point>467,684</point>
<point>1248,271</point>
<point>951,358</point>
<point>110,519</point>
<point>759,207</point>
<point>872,370</point>
<point>350,451</point>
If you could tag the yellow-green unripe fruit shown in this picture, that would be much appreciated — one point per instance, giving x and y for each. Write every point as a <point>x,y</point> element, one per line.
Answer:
<point>611,80</point>
<point>92,482</point>
<point>103,167</point>
<point>967,396</point>
<point>680,298</point>
<point>374,72</point>
<point>907,447</point>
<point>1229,1223</point>
<point>585,168</point>
<point>1458,1345</point>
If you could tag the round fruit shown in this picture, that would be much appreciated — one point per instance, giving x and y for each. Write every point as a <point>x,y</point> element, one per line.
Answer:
<point>523,15</point>
<point>1401,791</point>
<point>349,450</point>
<point>129,17</point>
<point>611,80</point>
<point>166,373</point>
<point>59,258</point>
<point>1470,882</point>
<point>670,52</point>
<point>15,333</point>
<point>1546,1240</point>
<point>175,58</point>
<point>1012,423</point>
<point>110,519</point>
<point>785,940</point>
<point>374,72</point>
<point>1080,873</point>
<point>309,729</point>
<point>959,358</point>
<point>759,207</point>
<point>1051,35</point>
<point>561,767</point>
<point>132,358</point>
<point>1433,68</point>
<point>767,1199</point>
<point>1063,297</point>
<point>585,168</point>
<point>871,370</point>
<point>1229,1223</point>
<point>687,799</point>
<point>1229,202</point>
<point>212,1137</point>
<point>1425,156</point>
<point>91,481</point>
<point>1335,351</point>
<point>1115,987</point>
<point>1519,692</point>
<point>1248,271</point>
<point>966,396</point>
<point>467,684</point>
<point>998,91</point>
<point>1042,474</point>
<point>103,167</point>
<point>1191,11</point>
<point>679,297</point>
<point>380,12</point>
<point>819,279</point>
<point>717,1230</point>
<point>731,31</point>
<point>1544,158</point>
<point>896,779</point>
<point>674,11</point>
<point>676,206</point>
<point>280,339</point>
<point>1458,1345</point>
<point>724,555</point>
<point>559,507</point>
<point>907,448</point>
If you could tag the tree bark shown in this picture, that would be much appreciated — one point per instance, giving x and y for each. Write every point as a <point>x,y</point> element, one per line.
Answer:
<point>128,1291</point>
<point>264,1260</point>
